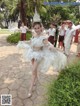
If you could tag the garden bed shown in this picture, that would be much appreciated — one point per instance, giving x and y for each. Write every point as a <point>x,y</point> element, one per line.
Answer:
<point>15,37</point>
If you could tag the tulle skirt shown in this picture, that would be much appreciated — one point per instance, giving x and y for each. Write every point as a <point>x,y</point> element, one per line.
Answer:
<point>55,59</point>
<point>46,58</point>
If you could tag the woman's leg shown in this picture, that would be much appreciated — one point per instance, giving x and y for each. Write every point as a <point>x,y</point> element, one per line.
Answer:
<point>34,77</point>
<point>32,61</point>
<point>33,64</point>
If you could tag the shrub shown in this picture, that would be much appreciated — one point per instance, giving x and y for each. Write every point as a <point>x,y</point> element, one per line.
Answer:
<point>65,91</point>
<point>14,38</point>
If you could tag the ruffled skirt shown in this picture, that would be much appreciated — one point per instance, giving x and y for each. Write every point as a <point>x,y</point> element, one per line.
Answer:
<point>46,58</point>
<point>55,59</point>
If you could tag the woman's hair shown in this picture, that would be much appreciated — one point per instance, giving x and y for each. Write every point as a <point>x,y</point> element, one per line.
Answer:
<point>37,23</point>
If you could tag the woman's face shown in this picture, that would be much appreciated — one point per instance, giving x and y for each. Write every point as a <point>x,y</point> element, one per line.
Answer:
<point>38,29</point>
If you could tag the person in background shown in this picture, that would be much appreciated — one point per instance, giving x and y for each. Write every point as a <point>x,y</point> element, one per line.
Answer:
<point>68,38</point>
<point>70,32</point>
<point>62,31</point>
<point>51,32</point>
<point>76,36</point>
<point>23,30</point>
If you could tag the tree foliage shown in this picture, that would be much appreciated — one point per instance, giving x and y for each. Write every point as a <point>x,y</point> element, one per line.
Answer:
<point>48,13</point>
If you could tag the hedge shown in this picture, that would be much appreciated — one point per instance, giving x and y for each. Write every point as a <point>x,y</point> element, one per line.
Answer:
<point>14,38</point>
<point>65,91</point>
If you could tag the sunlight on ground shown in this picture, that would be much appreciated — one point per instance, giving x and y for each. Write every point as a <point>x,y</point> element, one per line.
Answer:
<point>7,51</point>
<point>52,72</point>
<point>8,80</point>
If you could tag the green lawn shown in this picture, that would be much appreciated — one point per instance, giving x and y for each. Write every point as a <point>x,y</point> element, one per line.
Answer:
<point>5,31</point>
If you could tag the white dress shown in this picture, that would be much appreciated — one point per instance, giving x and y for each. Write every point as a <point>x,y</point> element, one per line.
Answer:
<point>45,56</point>
<point>68,37</point>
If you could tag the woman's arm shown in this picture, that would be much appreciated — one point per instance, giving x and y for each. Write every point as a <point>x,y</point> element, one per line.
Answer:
<point>46,42</point>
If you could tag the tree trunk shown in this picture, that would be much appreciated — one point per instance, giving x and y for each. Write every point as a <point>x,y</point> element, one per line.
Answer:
<point>22,11</point>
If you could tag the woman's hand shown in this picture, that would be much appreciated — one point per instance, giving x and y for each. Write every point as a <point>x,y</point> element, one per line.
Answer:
<point>45,41</point>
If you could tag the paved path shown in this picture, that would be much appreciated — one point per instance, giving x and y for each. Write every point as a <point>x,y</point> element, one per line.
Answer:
<point>15,76</point>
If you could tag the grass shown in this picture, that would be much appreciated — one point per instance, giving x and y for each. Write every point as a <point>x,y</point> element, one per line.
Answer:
<point>5,31</point>
<point>15,37</point>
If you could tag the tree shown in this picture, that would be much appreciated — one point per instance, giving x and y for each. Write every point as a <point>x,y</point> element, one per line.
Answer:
<point>48,13</point>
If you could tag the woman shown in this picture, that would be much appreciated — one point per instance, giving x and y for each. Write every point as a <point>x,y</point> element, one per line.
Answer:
<point>42,54</point>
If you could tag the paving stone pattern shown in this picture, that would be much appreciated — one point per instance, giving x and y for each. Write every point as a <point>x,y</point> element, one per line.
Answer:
<point>15,76</point>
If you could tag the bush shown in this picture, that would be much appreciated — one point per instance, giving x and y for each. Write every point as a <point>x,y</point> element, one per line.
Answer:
<point>65,91</point>
<point>14,38</point>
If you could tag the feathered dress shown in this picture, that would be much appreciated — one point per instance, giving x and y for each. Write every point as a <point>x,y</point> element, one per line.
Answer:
<point>41,52</point>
